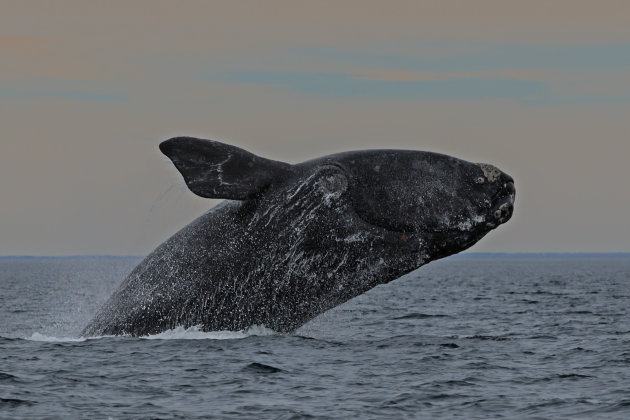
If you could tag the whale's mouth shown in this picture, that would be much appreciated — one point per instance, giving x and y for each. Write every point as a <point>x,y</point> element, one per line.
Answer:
<point>503,208</point>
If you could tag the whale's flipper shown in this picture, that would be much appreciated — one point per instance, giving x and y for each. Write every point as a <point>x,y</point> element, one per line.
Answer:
<point>215,170</point>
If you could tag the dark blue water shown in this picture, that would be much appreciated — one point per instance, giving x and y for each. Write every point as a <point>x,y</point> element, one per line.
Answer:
<point>534,337</point>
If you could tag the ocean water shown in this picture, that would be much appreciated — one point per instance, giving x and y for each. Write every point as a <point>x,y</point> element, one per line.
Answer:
<point>466,337</point>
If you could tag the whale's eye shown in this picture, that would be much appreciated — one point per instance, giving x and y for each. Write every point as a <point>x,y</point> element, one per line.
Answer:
<point>334,183</point>
<point>480,180</point>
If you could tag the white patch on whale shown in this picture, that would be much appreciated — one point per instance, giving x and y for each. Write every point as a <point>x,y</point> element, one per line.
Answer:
<point>491,172</point>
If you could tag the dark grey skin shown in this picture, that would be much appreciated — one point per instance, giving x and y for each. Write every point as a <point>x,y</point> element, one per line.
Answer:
<point>293,241</point>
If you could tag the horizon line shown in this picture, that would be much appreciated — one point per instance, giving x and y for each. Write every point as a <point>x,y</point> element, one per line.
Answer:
<point>463,254</point>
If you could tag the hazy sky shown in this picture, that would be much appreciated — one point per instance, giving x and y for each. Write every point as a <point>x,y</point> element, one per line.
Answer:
<point>88,89</point>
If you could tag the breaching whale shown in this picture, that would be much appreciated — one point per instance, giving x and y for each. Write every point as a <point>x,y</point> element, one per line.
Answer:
<point>292,241</point>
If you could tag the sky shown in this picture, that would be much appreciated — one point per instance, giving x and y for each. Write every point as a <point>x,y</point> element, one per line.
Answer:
<point>88,90</point>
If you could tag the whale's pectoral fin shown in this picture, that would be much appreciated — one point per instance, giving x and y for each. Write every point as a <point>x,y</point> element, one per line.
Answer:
<point>215,170</point>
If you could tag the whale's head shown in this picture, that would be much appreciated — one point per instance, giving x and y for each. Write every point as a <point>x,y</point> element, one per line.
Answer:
<point>445,202</point>
<point>422,205</point>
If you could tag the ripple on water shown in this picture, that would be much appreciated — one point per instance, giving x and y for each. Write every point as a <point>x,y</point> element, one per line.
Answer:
<point>537,342</point>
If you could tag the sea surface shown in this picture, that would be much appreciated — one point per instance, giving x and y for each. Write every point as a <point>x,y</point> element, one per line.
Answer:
<point>471,336</point>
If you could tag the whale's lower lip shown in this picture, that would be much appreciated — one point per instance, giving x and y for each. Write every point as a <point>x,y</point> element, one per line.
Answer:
<point>503,209</point>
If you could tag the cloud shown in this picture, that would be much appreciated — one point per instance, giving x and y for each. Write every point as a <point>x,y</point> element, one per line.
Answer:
<point>357,85</point>
<point>14,93</point>
<point>21,45</point>
<point>479,57</point>
<point>425,76</point>
<point>531,74</point>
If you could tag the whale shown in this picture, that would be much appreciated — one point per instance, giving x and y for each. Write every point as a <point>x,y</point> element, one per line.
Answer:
<point>291,241</point>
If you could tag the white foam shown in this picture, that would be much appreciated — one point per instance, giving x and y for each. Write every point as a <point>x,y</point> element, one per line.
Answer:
<point>46,338</point>
<point>179,333</point>
<point>195,333</point>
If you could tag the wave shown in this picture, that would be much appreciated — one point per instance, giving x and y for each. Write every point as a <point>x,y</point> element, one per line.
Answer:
<point>195,333</point>
<point>417,315</point>
<point>178,333</point>
<point>50,339</point>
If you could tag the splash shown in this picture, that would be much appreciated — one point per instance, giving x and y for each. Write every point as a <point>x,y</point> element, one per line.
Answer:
<point>195,333</point>
<point>179,333</point>
<point>49,339</point>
